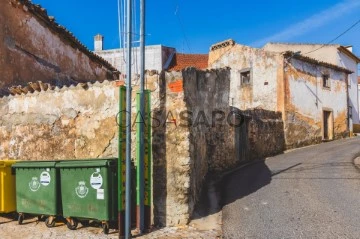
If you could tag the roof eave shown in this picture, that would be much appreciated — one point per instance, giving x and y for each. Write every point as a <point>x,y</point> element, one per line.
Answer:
<point>42,15</point>
<point>349,53</point>
<point>314,61</point>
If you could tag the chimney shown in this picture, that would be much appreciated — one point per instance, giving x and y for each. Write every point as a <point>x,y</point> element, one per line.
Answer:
<point>98,42</point>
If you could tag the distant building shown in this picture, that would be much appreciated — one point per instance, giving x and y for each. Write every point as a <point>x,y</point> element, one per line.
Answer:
<point>310,94</point>
<point>37,52</point>
<point>335,54</point>
<point>157,57</point>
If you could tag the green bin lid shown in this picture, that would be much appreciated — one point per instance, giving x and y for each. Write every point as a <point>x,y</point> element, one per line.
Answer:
<point>35,164</point>
<point>85,163</point>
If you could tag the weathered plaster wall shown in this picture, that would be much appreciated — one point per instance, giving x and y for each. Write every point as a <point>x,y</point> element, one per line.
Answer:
<point>60,124</point>
<point>262,134</point>
<point>171,154</point>
<point>331,54</point>
<point>80,122</point>
<point>324,53</point>
<point>189,140</point>
<point>194,145</point>
<point>31,52</point>
<point>306,99</point>
<point>263,90</point>
<point>349,63</point>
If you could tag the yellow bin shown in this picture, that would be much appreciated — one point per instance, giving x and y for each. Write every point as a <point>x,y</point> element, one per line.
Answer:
<point>7,187</point>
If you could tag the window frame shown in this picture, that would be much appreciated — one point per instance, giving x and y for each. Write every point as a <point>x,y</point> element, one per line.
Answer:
<point>324,85</point>
<point>241,73</point>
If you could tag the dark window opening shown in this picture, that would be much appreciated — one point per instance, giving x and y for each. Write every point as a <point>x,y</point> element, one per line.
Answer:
<point>245,77</point>
<point>326,81</point>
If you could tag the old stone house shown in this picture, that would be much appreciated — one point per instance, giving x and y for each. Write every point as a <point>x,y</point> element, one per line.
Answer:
<point>34,48</point>
<point>335,54</point>
<point>310,94</point>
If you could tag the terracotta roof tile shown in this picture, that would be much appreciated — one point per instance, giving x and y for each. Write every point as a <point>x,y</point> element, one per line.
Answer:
<point>182,61</point>
<point>291,54</point>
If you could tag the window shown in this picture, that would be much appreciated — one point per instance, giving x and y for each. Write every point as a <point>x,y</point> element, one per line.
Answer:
<point>326,81</point>
<point>245,77</point>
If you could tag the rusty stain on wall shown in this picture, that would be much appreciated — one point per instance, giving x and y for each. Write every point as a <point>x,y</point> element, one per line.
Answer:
<point>288,83</point>
<point>35,48</point>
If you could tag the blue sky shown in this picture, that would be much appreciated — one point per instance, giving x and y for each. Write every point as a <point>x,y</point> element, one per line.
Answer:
<point>194,25</point>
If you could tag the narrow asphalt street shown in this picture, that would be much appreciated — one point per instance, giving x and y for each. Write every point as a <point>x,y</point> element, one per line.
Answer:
<point>312,192</point>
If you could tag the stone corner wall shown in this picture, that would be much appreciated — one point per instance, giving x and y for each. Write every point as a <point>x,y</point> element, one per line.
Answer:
<point>264,134</point>
<point>196,144</point>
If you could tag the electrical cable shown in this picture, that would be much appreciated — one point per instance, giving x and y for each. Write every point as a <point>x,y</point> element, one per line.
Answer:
<point>181,24</point>
<point>346,31</point>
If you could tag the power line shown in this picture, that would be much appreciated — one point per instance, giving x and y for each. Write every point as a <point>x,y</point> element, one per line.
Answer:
<point>347,30</point>
<point>181,24</point>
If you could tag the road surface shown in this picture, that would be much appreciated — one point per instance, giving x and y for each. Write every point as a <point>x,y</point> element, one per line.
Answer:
<point>312,192</point>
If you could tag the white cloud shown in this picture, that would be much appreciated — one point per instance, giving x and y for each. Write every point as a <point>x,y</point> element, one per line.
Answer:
<point>312,22</point>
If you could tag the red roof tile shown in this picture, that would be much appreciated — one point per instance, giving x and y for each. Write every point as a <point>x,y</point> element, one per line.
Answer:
<point>181,61</point>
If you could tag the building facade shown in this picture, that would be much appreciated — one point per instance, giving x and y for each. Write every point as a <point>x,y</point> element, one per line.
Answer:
<point>37,49</point>
<point>310,94</point>
<point>157,57</point>
<point>335,54</point>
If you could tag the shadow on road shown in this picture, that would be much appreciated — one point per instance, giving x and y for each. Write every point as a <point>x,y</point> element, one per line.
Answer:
<point>239,184</point>
<point>244,182</point>
<point>217,194</point>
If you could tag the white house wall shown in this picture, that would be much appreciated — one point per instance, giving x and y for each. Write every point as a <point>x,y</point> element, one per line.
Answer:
<point>155,58</point>
<point>350,64</point>
<point>306,99</point>
<point>331,54</point>
<point>264,66</point>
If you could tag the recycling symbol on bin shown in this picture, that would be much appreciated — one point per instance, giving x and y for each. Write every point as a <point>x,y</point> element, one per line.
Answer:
<point>34,184</point>
<point>81,190</point>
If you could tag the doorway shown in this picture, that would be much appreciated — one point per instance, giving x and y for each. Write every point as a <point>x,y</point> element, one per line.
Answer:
<point>328,129</point>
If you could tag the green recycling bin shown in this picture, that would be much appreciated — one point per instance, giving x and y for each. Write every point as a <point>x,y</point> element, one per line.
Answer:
<point>89,191</point>
<point>37,190</point>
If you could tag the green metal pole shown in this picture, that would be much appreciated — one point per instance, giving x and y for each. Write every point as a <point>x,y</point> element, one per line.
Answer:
<point>144,165</point>
<point>141,125</point>
<point>121,159</point>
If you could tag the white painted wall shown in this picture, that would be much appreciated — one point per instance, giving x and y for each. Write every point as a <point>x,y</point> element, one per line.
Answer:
<point>347,62</point>
<point>322,53</point>
<point>264,66</point>
<point>155,58</point>
<point>309,99</point>
<point>330,54</point>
